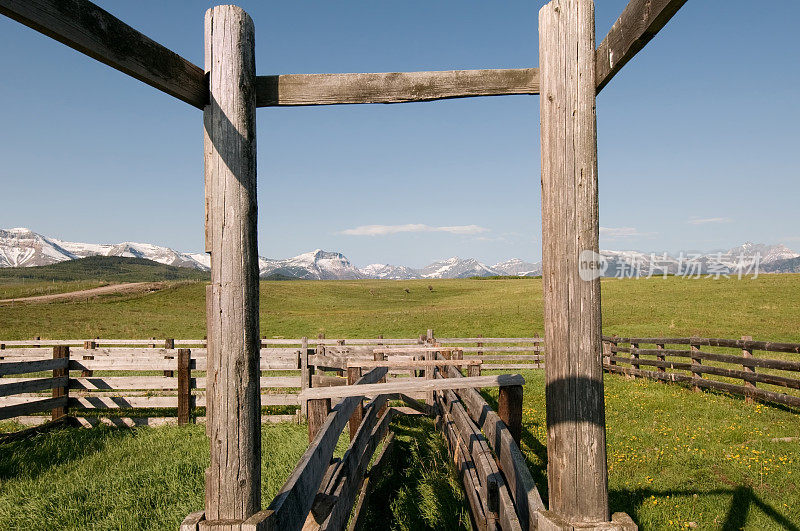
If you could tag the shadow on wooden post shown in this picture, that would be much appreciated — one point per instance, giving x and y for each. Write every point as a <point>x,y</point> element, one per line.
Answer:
<point>184,386</point>
<point>318,410</point>
<point>510,410</point>
<point>60,352</point>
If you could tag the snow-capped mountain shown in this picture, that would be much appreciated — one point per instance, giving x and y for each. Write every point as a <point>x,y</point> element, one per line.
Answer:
<point>22,248</point>
<point>457,268</point>
<point>517,267</point>
<point>316,265</point>
<point>389,272</point>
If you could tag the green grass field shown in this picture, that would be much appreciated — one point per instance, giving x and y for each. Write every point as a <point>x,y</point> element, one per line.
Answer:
<point>765,308</point>
<point>677,459</point>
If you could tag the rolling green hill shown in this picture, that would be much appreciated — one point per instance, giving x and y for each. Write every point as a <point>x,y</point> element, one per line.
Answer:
<point>102,269</point>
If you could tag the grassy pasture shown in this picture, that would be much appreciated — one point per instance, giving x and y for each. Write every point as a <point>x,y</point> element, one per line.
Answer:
<point>766,308</point>
<point>677,459</point>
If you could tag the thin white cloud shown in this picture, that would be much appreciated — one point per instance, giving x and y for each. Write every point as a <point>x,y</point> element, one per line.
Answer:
<point>385,230</point>
<point>613,233</point>
<point>703,221</point>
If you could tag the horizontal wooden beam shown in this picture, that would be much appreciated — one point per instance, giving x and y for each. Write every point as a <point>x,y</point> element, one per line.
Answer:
<point>637,25</point>
<point>85,27</point>
<point>402,350</point>
<point>412,364</point>
<point>406,386</point>
<point>392,87</point>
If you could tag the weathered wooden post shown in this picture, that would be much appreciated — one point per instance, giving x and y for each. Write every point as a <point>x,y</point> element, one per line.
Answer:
<point>60,352</point>
<point>184,386</point>
<point>318,410</point>
<point>697,372</point>
<point>305,374</point>
<point>353,375</point>
<point>749,384</point>
<point>634,358</point>
<point>576,437</point>
<point>661,357</point>
<point>509,408</point>
<point>169,344</point>
<point>233,480</point>
<point>88,345</point>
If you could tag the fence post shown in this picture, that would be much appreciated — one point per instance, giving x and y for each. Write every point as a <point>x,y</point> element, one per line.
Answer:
<point>577,478</point>
<point>430,396</point>
<point>169,344</point>
<point>429,337</point>
<point>233,479</point>
<point>510,409</point>
<point>749,384</point>
<point>474,369</point>
<point>184,386</point>
<point>305,374</point>
<point>480,345</point>
<point>353,374</point>
<point>634,356</point>
<point>88,345</point>
<point>60,352</point>
<point>695,362</point>
<point>318,410</point>
<point>606,353</point>
<point>661,357</point>
<point>380,356</point>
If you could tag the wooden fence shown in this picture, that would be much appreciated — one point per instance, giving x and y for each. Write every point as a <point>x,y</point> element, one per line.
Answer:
<point>325,493</point>
<point>135,382</point>
<point>747,373</point>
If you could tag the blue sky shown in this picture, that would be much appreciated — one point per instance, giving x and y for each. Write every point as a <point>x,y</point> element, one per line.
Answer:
<point>698,136</point>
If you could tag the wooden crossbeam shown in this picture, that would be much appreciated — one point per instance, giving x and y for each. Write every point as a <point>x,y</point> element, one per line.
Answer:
<point>406,386</point>
<point>403,350</point>
<point>412,364</point>
<point>637,25</point>
<point>91,30</point>
<point>392,87</point>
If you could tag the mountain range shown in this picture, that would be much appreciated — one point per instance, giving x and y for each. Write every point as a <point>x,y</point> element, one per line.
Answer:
<point>22,247</point>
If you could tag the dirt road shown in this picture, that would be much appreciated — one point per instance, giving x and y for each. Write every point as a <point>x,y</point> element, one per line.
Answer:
<point>130,287</point>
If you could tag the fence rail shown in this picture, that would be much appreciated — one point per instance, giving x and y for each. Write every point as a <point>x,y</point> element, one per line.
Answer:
<point>694,366</point>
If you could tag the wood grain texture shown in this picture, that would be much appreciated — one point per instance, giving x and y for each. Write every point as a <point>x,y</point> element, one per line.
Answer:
<point>35,406</point>
<point>31,385</point>
<point>60,352</point>
<point>233,480</point>
<point>576,437</point>
<point>85,27</point>
<point>510,459</point>
<point>637,25</point>
<point>407,385</point>
<point>393,87</point>
<point>22,367</point>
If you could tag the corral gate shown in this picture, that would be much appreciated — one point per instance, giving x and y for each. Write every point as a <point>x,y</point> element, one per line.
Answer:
<point>571,72</point>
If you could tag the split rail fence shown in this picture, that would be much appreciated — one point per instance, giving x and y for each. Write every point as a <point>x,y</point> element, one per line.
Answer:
<point>135,382</point>
<point>689,361</point>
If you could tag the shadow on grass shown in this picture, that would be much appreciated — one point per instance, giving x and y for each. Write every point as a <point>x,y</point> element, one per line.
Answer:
<point>743,498</point>
<point>419,488</point>
<point>33,456</point>
<point>538,470</point>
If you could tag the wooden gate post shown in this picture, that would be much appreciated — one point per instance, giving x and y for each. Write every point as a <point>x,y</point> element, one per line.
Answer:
<point>576,436</point>
<point>233,480</point>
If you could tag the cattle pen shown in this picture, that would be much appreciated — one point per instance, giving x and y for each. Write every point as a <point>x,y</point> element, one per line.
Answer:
<point>571,72</point>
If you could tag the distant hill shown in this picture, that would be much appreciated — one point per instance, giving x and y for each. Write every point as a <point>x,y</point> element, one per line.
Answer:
<point>107,268</point>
